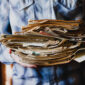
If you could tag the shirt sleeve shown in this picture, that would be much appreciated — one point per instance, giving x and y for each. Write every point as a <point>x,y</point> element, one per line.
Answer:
<point>4,21</point>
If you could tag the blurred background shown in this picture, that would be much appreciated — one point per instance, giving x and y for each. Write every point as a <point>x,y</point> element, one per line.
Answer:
<point>5,74</point>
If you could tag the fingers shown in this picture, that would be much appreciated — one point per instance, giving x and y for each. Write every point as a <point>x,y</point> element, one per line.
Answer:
<point>24,64</point>
<point>21,63</point>
<point>27,65</point>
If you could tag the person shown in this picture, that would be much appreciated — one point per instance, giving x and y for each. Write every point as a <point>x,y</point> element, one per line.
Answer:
<point>17,13</point>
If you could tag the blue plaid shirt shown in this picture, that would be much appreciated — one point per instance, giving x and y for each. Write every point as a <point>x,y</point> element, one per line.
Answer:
<point>17,13</point>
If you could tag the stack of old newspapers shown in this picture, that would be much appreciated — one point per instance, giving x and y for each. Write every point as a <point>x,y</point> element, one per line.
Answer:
<point>46,42</point>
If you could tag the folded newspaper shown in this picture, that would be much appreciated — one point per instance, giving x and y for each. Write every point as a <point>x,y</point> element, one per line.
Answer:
<point>48,42</point>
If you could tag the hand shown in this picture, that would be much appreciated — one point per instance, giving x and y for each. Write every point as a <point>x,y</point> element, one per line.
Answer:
<point>22,64</point>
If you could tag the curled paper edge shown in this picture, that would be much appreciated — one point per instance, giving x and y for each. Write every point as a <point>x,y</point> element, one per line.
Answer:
<point>80,59</point>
